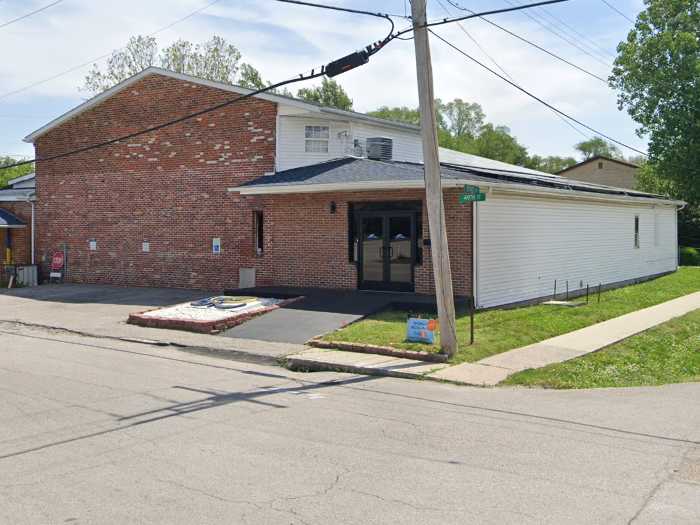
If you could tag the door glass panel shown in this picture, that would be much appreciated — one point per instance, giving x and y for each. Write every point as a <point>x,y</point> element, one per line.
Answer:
<point>373,249</point>
<point>400,259</point>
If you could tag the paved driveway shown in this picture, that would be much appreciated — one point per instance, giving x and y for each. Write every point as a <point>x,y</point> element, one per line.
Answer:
<point>98,431</point>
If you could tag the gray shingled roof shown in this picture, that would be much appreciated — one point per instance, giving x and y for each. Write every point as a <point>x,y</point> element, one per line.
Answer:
<point>359,170</point>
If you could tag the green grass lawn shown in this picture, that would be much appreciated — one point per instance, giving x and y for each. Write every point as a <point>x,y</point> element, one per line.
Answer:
<point>669,353</point>
<point>501,330</point>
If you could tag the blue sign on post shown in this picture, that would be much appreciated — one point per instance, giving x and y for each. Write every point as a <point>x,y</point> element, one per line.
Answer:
<point>421,330</point>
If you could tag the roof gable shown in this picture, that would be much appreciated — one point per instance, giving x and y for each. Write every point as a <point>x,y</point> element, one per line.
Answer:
<point>595,158</point>
<point>278,99</point>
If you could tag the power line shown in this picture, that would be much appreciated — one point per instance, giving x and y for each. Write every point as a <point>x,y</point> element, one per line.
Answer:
<point>338,8</point>
<point>623,15</point>
<point>157,127</point>
<point>588,41</point>
<point>338,67</point>
<point>5,24</point>
<point>493,60</point>
<point>87,63</point>
<point>529,42</point>
<point>562,37</point>
<point>538,99</point>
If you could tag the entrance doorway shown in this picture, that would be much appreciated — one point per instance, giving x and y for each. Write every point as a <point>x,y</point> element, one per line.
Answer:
<point>387,250</point>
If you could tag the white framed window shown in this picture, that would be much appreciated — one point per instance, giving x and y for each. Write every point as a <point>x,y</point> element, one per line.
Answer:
<point>316,139</point>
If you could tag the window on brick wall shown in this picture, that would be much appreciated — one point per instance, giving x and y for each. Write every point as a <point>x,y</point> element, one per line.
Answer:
<point>259,232</point>
<point>316,139</point>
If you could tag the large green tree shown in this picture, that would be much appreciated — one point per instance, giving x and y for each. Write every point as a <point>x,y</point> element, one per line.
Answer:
<point>550,164</point>
<point>596,146</point>
<point>329,93</point>
<point>657,75</point>
<point>216,59</point>
<point>12,173</point>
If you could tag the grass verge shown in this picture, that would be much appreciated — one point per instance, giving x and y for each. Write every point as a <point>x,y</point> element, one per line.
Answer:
<point>500,330</point>
<point>669,353</point>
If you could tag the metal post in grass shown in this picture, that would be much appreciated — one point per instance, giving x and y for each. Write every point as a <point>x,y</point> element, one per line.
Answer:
<point>588,290</point>
<point>472,307</point>
<point>599,287</point>
<point>567,290</point>
<point>554,296</point>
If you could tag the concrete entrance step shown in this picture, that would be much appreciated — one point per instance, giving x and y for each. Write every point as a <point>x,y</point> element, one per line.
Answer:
<point>317,359</point>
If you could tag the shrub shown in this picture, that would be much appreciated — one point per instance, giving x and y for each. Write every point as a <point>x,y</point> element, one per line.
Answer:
<point>690,256</point>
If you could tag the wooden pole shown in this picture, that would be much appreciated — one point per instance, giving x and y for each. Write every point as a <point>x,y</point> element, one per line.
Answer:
<point>433,185</point>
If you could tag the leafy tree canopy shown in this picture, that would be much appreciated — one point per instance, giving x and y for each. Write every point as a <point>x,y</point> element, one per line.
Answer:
<point>215,59</point>
<point>12,173</point>
<point>598,147</point>
<point>551,164</point>
<point>657,76</point>
<point>329,93</point>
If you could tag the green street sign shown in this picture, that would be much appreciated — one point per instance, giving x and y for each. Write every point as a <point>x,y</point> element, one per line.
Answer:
<point>472,190</point>
<point>464,198</point>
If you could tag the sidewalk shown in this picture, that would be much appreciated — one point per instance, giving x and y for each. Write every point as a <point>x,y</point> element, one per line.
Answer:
<point>494,369</point>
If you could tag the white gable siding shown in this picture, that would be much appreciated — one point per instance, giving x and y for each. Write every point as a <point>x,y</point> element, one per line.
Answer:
<point>524,244</point>
<point>407,144</point>
<point>290,140</point>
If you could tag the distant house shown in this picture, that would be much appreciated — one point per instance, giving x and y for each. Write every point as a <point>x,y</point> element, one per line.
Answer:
<point>604,170</point>
<point>282,192</point>
<point>16,212</point>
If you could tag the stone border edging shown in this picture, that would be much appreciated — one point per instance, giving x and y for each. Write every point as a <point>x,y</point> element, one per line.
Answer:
<point>380,350</point>
<point>202,327</point>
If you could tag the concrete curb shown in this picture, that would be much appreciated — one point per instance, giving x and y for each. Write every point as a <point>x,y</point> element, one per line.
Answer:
<point>379,350</point>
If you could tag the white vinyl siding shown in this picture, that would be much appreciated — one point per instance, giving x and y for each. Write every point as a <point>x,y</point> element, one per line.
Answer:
<point>294,149</point>
<point>524,244</point>
<point>292,142</point>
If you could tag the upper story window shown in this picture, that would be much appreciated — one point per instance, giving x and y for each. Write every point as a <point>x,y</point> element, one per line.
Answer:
<point>316,138</point>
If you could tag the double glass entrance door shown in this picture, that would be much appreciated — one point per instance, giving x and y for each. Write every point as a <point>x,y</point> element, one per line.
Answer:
<point>387,251</point>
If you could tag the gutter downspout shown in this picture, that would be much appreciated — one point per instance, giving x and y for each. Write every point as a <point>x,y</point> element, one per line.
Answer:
<point>33,205</point>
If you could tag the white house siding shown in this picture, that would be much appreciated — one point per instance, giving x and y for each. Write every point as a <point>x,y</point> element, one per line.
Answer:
<point>524,244</point>
<point>290,140</point>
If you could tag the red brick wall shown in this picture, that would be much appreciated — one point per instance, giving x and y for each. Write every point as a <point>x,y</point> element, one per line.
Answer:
<point>306,245</point>
<point>21,237</point>
<point>167,187</point>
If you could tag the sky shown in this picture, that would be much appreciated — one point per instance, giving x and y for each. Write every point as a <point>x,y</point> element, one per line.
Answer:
<point>282,40</point>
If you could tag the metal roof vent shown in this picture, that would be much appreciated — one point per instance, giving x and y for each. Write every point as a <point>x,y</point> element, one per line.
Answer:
<point>380,148</point>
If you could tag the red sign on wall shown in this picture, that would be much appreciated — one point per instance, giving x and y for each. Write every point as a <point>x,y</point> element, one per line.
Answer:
<point>57,261</point>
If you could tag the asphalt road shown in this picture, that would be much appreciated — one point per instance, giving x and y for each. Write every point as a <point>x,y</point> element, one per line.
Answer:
<point>97,431</point>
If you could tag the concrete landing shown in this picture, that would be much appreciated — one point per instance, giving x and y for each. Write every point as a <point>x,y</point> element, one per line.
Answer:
<point>355,362</point>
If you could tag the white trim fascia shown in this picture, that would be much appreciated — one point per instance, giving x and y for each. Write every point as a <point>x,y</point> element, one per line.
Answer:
<point>521,189</point>
<point>97,99</point>
<point>23,178</point>
<point>27,197</point>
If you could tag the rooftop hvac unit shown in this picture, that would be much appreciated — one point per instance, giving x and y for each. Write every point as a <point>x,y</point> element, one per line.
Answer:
<point>380,148</point>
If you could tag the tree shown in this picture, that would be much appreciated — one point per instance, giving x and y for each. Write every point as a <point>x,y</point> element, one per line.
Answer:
<point>496,142</point>
<point>12,173</point>
<point>250,78</point>
<point>657,75</point>
<point>462,119</point>
<point>551,164</point>
<point>397,114</point>
<point>329,93</point>
<point>598,147</point>
<point>215,60</point>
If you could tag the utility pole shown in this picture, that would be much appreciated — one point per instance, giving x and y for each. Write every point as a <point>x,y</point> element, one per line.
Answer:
<point>433,184</point>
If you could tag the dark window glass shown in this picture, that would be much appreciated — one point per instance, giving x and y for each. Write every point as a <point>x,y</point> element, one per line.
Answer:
<point>259,233</point>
